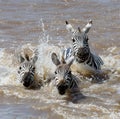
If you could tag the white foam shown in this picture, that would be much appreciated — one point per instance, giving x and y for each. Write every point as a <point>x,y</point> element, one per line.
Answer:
<point>1,52</point>
<point>44,63</point>
<point>7,69</point>
<point>112,62</point>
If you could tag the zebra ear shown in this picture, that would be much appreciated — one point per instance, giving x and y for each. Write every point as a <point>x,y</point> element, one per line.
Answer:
<point>55,59</point>
<point>21,59</point>
<point>70,61</point>
<point>35,58</point>
<point>87,27</point>
<point>69,27</point>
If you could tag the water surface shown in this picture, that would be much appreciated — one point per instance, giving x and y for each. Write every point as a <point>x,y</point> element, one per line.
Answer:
<point>41,24</point>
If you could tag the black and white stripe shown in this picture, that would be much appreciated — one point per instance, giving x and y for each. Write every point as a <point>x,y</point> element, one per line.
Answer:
<point>71,81</point>
<point>68,80</point>
<point>26,69</point>
<point>64,79</point>
<point>81,49</point>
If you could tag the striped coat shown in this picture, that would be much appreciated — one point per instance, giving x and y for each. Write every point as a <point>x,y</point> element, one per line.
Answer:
<point>86,62</point>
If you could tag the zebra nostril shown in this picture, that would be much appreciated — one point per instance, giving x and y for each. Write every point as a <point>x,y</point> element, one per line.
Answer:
<point>55,72</point>
<point>56,80</point>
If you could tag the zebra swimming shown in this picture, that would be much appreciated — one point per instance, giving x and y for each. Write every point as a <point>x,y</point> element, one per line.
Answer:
<point>65,81</point>
<point>87,63</point>
<point>27,71</point>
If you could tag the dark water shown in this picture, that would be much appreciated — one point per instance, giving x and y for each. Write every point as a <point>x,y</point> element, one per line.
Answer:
<point>41,24</point>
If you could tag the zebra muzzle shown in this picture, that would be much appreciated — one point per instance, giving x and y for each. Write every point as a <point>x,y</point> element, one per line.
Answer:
<point>62,87</point>
<point>83,54</point>
<point>27,79</point>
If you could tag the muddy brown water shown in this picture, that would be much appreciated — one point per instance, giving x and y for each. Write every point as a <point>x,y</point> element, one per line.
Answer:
<point>41,23</point>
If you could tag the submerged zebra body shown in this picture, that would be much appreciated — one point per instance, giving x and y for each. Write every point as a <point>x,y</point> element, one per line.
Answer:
<point>65,81</point>
<point>86,62</point>
<point>27,71</point>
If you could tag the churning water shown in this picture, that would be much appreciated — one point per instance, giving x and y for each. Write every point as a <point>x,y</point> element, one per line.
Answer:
<point>41,24</point>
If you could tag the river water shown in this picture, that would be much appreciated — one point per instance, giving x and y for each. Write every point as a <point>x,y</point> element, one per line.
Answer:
<point>41,24</point>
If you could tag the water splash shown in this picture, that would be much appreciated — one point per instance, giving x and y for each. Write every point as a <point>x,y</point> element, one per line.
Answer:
<point>99,94</point>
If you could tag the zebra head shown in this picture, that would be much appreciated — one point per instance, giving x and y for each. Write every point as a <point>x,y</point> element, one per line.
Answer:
<point>62,73</point>
<point>80,39</point>
<point>27,69</point>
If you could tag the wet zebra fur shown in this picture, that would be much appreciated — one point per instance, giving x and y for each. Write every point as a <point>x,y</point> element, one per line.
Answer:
<point>65,81</point>
<point>27,71</point>
<point>81,50</point>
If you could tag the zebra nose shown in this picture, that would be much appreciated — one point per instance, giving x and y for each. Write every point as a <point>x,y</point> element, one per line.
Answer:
<point>81,47</point>
<point>26,74</point>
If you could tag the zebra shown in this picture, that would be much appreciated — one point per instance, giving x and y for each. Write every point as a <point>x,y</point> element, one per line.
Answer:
<point>87,63</point>
<point>27,71</point>
<point>65,81</point>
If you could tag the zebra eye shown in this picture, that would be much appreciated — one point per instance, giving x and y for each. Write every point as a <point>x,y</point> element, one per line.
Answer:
<point>20,68</point>
<point>55,72</point>
<point>73,40</point>
<point>33,69</point>
<point>87,38</point>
